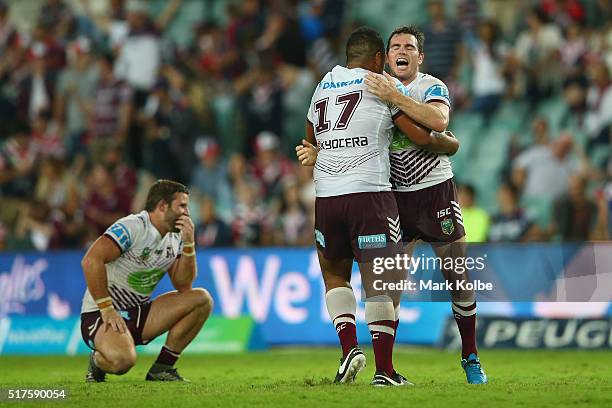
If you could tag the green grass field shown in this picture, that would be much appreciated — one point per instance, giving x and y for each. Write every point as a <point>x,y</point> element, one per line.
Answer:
<point>302,377</point>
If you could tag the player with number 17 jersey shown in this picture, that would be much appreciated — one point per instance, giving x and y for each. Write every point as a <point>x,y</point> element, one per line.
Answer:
<point>353,130</point>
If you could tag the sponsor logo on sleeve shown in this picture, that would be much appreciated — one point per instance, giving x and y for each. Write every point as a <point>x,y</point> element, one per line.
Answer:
<point>437,91</point>
<point>121,234</point>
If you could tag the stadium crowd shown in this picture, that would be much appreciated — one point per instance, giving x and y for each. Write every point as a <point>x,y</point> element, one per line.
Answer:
<point>99,98</point>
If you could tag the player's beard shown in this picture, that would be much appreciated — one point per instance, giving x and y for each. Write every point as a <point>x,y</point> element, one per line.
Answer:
<point>171,218</point>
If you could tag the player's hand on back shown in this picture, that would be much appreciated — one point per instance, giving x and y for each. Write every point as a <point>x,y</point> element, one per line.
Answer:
<point>113,320</point>
<point>306,153</point>
<point>382,86</point>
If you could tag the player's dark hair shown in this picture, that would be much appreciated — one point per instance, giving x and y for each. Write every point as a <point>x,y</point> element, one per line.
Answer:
<point>363,44</point>
<point>413,30</point>
<point>163,190</point>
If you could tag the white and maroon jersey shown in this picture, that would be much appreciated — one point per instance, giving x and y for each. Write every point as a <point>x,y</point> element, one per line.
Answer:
<point>413,168</point>
<point>353,129</point>
<point>145,258</point>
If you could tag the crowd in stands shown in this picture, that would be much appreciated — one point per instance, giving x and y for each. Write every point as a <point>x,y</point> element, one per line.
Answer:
<point>100,98</point>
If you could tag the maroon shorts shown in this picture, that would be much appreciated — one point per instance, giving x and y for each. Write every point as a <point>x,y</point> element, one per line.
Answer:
<point>431,214</point>
<point>363,226</point>
<point>134,317</point>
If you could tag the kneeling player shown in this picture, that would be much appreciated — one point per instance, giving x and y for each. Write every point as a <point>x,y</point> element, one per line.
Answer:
<point>122,269</point>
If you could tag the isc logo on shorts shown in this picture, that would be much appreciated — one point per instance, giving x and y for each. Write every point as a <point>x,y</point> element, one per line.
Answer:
<point>372,241</point>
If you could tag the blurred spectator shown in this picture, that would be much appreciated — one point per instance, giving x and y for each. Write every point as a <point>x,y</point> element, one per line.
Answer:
<point>599,104</point>
<point>170,126</point>
<point>70,229</point>
<point>47,136</point>
<point>57,14</point>
<point>564,12</point>
<point>537,50</point>
<point>574,95</point>
<point>211,231</point>
<point>158,158</point>
<point>8,33</point>
<point>306,186</point>
<point>261,103</point>
<point>487,58</point>
<point>601,14</point>
<point>293,228</point>
<point>53,41</point>
<point>18,160</point>
<point>573,51</point>
<point>54,184</point>
<point>76,86</point>
<point>282,34</point>
<point>250,223</point>
<point>511,224</point>
<point>36,90</point>
<point>140,54</point>
<point>34,229</point>
<point>494,9</point>
<point>475,219</point>
<point>111,111</point>
<point>468,17</point>
<point>11,58</point>
<point>442,43</point>
<point>543,171</point>
<point>207,57</point>
<point>575,215</point>
<point>210,175</point>
<point>269,166</point>
<point>18,163</point>
<point>540,130</point>
<point>246,26</point>
<point>114,24</point>
<point>124,176</point>
<point>105,203</point>
<point>237,171</point>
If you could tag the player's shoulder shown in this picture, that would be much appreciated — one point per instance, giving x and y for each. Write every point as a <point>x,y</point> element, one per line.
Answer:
<point>137,219</point>
<point>428,79</point>
<point>432,87</point>
<point>132,223</point>
<point>341,77</point>
<point>127,230</point>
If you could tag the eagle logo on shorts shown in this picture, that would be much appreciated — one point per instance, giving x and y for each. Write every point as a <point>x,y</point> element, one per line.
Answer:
<point>447,226</point>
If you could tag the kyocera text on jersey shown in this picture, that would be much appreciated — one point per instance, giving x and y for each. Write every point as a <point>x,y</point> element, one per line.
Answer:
<point>332,85</point>
<point>340,143</point>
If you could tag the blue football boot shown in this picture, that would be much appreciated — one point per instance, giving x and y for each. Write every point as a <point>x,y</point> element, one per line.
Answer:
<point>473,370</point>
